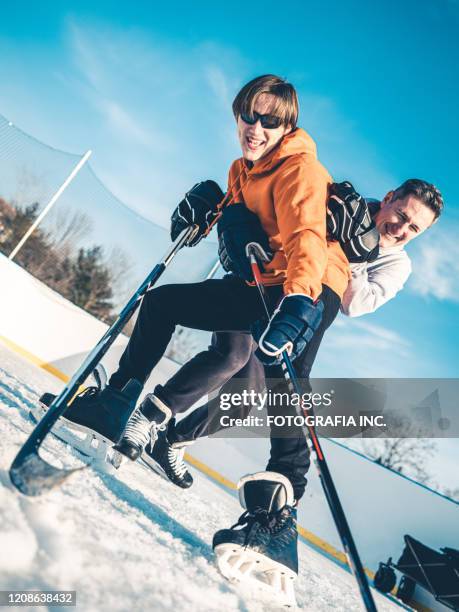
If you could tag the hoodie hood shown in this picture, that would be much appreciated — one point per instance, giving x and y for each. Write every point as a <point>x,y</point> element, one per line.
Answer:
<point>297,142</point>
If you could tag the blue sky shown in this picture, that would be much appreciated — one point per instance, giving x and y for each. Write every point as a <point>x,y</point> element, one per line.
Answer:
<point>148,87</point>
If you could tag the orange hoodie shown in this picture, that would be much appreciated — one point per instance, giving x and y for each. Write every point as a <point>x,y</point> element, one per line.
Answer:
<point>287,190</point>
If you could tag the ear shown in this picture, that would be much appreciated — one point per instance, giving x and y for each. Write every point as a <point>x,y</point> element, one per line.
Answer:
<point>387,198</point>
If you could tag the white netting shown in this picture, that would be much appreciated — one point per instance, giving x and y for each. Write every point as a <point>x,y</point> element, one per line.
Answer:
<point>91,247</point>
<point>29,170</point>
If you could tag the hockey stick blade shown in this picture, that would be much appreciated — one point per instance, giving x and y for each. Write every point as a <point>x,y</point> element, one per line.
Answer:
<point>33,476</point>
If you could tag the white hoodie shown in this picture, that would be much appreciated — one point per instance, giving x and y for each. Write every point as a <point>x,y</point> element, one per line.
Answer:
<point>373,284</point>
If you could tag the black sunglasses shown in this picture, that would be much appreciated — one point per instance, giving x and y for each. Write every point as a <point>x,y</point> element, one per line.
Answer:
<point>269,122</point>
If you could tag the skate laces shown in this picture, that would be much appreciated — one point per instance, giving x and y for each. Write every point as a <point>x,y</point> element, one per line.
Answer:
<point>154,429</point>
<point>260,516</point>
<point>140,431</point>
<point>175,460</point>
<point>260,521</point>
<point>250,517</point>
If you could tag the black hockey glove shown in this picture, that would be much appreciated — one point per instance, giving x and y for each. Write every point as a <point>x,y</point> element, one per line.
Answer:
<point>350,223</point>
<point>198,207</point>
<point>291,328</point>
<point>238,229</point>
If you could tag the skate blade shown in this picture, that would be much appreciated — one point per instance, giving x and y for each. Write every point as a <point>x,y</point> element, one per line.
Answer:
<point>94,449</point>
<point>239,564</point>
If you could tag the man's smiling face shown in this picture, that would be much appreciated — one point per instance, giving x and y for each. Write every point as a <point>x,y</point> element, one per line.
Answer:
<point>400,220</point>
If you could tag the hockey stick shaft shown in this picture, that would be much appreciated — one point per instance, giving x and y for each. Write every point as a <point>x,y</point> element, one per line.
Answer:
<point>28,460</point>
<point>328,485</point>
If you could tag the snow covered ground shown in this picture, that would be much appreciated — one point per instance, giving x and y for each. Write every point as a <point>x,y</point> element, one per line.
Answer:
<point>130,541</point>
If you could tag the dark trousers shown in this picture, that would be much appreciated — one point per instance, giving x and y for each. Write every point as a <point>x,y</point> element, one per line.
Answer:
<point>289,452</point>
<point>227,304</point>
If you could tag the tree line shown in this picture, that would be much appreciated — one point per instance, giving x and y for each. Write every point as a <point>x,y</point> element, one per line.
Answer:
<point>86,276</point>
<point>81,275</point>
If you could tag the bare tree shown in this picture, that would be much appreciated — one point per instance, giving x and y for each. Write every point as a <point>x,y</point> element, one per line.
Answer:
<point>31,187</point>
<point>121,266</point>
<point>62,230</point>
<point>67,227</point>
<point>452,493</point>
<point>408,456</point>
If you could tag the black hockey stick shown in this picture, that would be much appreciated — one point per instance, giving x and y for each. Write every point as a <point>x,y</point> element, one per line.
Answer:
<point>31,474</point>
<point>325,477</point>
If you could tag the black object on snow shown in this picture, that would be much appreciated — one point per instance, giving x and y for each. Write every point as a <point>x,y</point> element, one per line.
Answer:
<point>437,572</point>
<point>385,578</point>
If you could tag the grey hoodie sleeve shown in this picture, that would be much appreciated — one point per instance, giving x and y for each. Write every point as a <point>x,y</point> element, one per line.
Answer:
<point>372,285</point>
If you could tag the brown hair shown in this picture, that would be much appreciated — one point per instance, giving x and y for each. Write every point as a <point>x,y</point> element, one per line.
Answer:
<point>286,106</point>
<point>422,190</point>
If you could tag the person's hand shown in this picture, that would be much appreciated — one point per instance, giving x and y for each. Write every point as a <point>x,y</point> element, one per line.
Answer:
<point>290,329</point>
<point>349,221</point>
<point>239,230</point>
<point>199,207</point>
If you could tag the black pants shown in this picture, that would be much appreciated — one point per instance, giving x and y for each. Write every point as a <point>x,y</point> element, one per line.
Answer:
<point>289,453</point>
<point>227,355</point>
<point>227,304</point>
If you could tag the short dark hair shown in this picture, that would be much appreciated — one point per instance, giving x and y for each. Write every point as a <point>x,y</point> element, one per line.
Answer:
<point>286,106</point>
<point>422,190</point>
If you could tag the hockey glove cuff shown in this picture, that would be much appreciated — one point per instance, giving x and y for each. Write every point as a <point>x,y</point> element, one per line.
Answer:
<point>291,328</point>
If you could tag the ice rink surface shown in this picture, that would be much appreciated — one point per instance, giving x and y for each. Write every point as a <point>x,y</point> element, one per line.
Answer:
<point>131,541</point>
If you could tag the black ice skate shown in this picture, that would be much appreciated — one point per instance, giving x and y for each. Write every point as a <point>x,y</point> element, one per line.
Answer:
<point>143,427</point>
<point>167,460</point>
<point>261,547</point>
<point>101,415</point>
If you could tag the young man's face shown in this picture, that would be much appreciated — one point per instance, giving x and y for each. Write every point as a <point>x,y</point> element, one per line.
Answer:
<point>399,221</point>
<point>257,141</point>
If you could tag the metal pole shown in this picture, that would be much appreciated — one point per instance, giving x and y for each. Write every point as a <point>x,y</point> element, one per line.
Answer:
<point>50,204</point>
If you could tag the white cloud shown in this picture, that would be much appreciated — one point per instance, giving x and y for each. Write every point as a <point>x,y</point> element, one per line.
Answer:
<point>157,113</point>
<point>383,334</point>
<point>220,85</point>
<point>436,262</point>
<point>361,349</point>
<point>172,104</point>
<point>165,112</point>
<point>341,147</point>
<point>120,120</point>
<point>101,63</point>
